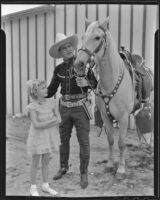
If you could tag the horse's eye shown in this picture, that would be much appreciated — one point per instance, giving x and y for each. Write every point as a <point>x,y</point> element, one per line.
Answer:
<point>97,38</point>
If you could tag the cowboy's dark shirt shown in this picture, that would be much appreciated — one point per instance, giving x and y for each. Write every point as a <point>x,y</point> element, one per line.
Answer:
<point>63,76</point>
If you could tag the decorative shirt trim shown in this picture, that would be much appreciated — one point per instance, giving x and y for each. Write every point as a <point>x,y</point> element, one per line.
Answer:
<point>60,76</point>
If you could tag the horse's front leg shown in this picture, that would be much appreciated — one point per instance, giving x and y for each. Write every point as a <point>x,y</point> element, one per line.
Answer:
<point>123,125</point>
<point>110,137</point>
<point>109,131</point>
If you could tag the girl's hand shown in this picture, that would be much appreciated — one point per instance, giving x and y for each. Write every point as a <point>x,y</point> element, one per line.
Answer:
<point>59,120</point>
<point>55,122</point>
<point>41,124</point>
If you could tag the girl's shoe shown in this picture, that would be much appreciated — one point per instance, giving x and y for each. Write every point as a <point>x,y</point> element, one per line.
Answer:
<point>33,191</point>
<point>46,188</point>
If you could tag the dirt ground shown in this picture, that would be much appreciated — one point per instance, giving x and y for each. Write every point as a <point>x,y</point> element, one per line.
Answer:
<point>139,180</point>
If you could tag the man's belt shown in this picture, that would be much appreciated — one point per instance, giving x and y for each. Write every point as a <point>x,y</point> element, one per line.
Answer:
<point>72,104</point>
<point>68,97</point>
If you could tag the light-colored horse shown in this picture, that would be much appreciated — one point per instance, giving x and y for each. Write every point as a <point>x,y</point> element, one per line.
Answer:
<point>97,41</point>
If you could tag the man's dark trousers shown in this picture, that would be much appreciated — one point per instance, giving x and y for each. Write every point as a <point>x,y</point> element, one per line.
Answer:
<point>74,116</point>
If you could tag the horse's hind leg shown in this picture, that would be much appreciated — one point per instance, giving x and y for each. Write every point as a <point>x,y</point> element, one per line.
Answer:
<point>123,125</point>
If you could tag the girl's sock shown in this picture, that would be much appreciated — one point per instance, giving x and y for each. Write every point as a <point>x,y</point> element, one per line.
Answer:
<point>46,188</point>
<point>33,190</point>
<point>33,186</point>
<point>45,185</point>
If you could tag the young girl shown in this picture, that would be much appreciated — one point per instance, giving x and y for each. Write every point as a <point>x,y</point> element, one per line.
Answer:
<point>42,133</point>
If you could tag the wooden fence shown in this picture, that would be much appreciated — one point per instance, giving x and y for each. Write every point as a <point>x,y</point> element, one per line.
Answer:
<point>30,33</point>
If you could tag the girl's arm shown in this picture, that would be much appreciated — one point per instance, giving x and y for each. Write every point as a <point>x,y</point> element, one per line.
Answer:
<point>56,113</point>
<point>40,125</point>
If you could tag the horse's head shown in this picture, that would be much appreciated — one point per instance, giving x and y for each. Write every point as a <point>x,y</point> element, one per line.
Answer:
<point>92,43</point>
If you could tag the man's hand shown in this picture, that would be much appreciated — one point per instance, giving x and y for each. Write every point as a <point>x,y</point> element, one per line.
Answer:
<point>81,82</point>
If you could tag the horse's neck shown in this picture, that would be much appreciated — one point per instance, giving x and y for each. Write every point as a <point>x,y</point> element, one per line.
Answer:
<point>109,69</point>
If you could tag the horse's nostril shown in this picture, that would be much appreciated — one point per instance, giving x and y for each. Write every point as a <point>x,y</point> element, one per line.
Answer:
<point>81,64</point>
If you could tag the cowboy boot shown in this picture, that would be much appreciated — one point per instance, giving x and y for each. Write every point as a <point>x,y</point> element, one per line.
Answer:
<point>64,157</point>
<point>83,173</point>
<point>84,180</point>
<point>60,173</point>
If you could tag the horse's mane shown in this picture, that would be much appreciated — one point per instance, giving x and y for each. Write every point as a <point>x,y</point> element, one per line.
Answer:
<point>112,45</point>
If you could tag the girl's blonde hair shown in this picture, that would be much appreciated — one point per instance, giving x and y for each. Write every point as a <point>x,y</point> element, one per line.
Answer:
<point>33,85</point>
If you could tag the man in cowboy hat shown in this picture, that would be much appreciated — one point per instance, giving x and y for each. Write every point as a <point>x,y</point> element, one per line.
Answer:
<point>74,92</point>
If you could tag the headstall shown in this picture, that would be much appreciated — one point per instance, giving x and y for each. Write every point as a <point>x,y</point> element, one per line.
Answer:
<point>98,48</point>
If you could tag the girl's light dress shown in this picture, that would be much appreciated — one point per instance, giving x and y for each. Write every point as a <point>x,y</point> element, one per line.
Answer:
<point>43,140</point>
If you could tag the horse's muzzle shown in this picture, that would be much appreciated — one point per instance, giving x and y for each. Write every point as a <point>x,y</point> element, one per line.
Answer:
<point>79,68</point>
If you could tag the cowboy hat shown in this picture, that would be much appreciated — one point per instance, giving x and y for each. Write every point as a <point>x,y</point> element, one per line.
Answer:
<point>61,39</point>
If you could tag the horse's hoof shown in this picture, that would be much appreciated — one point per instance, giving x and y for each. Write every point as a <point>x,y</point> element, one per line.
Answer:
<point>120,176</point>
<point>109,169</point>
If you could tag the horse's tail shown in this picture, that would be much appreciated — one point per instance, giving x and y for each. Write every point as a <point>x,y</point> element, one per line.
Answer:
<point>151,76</point>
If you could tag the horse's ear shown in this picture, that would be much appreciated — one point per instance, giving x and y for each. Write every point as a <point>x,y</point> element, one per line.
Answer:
<point>87,23</point>
<point>105,24</point>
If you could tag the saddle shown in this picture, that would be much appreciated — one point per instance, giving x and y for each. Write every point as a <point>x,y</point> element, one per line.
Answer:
<point>143,85</point>
<point>143,75</point>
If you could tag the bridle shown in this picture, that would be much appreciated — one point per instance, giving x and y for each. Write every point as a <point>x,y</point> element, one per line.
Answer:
<point>120,78</point>
<point>98,48</point>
